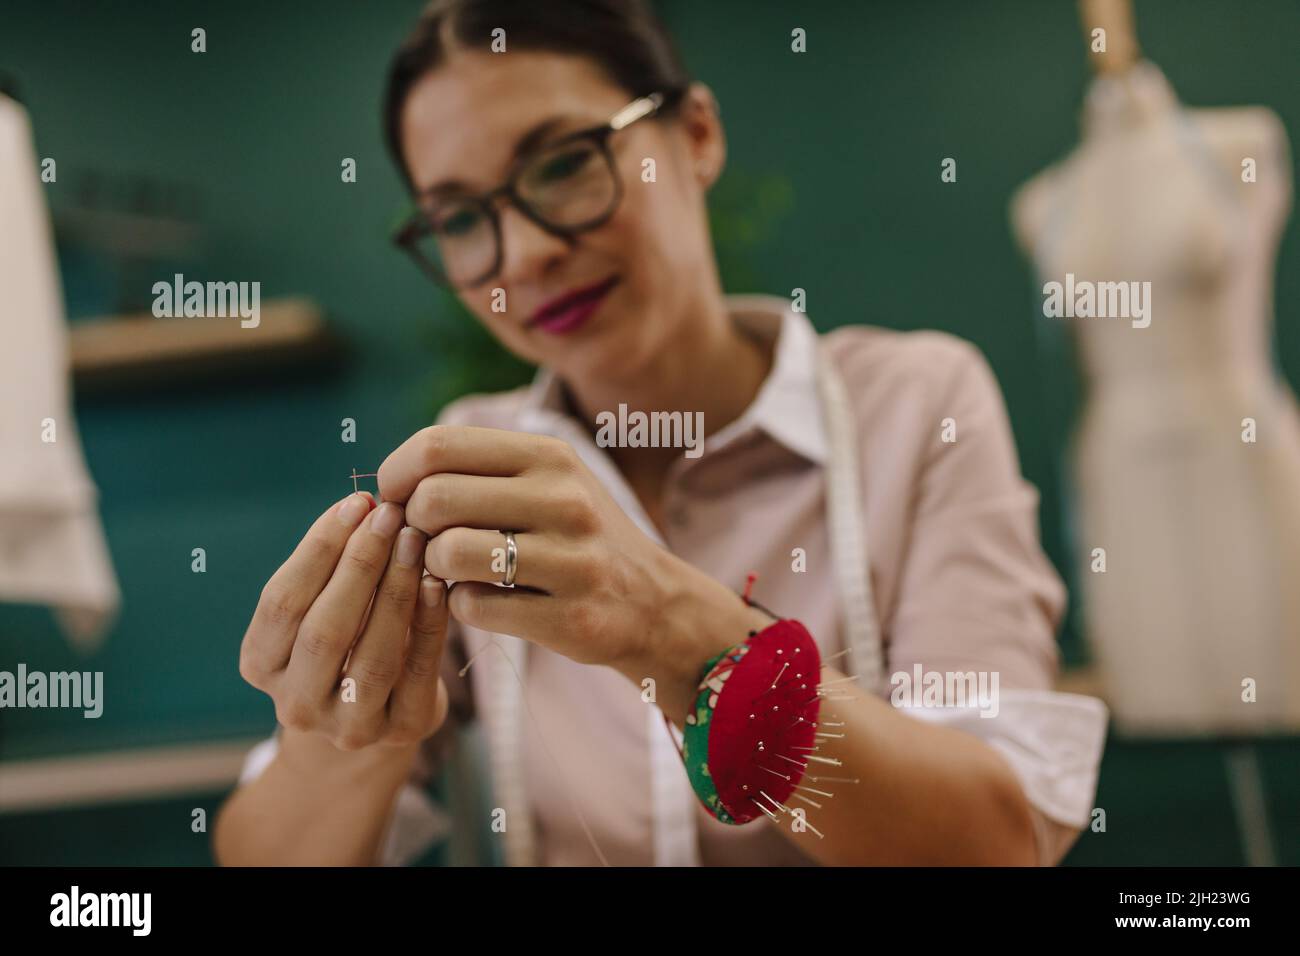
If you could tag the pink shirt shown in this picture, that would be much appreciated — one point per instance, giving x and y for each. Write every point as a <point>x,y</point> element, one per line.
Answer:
<point>959,580</point>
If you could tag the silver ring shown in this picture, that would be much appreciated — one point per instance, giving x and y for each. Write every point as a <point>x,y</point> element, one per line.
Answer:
<point>512,560</point>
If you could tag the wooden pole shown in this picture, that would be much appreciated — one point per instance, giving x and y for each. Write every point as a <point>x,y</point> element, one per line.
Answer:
<point>1121,45</point>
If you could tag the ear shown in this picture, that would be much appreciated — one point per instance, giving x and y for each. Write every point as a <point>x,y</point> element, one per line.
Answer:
<point>706,142</point>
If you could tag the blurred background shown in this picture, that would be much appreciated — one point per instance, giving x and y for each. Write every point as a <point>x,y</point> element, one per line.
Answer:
<point>227,165</point>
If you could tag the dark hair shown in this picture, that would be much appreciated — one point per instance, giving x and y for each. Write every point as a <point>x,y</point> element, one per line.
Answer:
<point>624,37</point>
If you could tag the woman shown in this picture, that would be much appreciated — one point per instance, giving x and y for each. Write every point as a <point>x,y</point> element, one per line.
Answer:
<point>560,157</point>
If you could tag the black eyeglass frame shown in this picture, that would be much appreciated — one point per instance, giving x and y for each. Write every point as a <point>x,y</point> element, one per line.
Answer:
<point>643,107</point>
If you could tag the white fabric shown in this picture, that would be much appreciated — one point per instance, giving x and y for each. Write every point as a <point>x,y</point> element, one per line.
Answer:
<point>848,531</point>
<point>675,838</point>
<point>52,547</point>
<point>1051,740</point>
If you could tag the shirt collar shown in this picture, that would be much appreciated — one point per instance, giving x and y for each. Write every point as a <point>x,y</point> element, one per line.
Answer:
<point>786,406</point>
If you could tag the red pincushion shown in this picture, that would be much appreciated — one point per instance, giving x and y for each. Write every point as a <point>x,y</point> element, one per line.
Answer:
<point>738,766</point>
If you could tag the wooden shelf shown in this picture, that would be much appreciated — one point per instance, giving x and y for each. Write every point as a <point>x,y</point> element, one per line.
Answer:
<point>128,352</point>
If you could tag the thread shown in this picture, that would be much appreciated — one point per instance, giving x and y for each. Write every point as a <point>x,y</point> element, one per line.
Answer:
<point>555,764</point>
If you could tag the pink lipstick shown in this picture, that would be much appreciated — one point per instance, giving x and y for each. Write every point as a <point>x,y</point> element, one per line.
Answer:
<point>571,310</point>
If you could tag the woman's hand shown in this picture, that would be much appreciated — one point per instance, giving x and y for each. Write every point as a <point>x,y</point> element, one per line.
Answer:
<point>589,584</point>
<point>349,603</point>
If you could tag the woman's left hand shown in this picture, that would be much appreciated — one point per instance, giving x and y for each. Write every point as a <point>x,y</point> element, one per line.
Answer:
<point>589,583</point>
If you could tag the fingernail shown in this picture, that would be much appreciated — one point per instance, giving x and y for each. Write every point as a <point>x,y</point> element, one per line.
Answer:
<point>410,543</point>
<point>431,591</point>
<point>353,509</point>
<point>386,520</point>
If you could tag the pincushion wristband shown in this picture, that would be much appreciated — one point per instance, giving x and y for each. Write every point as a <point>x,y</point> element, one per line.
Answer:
<point>695,736</point>
<point>753,723</point>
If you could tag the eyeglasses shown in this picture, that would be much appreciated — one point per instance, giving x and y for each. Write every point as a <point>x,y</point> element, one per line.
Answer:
<point>566,187</point>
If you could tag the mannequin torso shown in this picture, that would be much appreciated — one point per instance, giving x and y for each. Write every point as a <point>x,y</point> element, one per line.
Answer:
<point>1201,528</point>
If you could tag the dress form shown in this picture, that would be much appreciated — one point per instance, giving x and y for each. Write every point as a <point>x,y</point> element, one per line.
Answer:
<point>1201,529</point>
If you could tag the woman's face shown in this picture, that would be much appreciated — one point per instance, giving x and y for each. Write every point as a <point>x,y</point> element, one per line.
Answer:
<point>461,122</point>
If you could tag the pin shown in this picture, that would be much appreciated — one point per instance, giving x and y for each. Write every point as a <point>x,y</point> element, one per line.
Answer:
<point>820,696</point>
<point>355,476</point>
<point>813,829</point>
<point>839,680</point>
<point>764,809</point>
<point>830,760</point>
<point>775,803</point>
<point>800,796</point>
<point>775,774</point>
<point>792,760</point>
<point>778,674</point>
<point>836,736</point>
<point>833,656</point>
<point>834,779</point>
<point>820,793</point>
<point>829,695</point>
<point>775,686</point>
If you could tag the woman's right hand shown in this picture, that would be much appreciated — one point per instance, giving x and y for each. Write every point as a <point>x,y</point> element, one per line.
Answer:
<point>315,627</point>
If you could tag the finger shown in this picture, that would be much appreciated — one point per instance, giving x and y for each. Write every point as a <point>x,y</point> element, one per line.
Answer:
<point>452,500</point>
<point>521,613</point>
<point>376,660</point>
<point>524,503</point>
<point>292,589</point>
<point>331,625</point>
<point>419,701</point>
<point>471,554</point>
<point>464,449</point>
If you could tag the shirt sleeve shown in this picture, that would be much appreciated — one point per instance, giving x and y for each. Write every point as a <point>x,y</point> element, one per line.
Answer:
<point>977,595</point>
<point>416,823</point>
